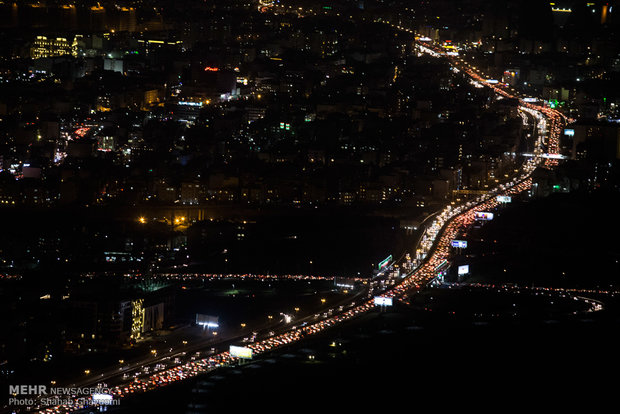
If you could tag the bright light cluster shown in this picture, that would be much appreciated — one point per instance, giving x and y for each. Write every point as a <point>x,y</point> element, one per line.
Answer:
<point>224,276</point>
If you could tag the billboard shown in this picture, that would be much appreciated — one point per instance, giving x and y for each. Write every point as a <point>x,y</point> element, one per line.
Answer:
<point>240,352</point>
<point>554,156</point>
<point>569,132</point>
<point>483,215</point>
<point>207,320</point>
<point>504,199</point>
<point>102,399</point>
<point>463,270</point>
<point>186,103</point>
<point>461,244</point>
<point>385,262</point>
<point>382,301</point>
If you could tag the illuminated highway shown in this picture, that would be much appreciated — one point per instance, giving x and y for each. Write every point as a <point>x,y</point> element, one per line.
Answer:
<point>536,289</point>
<point>435,247</point>
<point>432,250</point>
<point>591,305</point>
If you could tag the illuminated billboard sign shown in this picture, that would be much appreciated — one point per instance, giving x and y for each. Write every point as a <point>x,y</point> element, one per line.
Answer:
<point>483,215</point>
<point>102,399</point>
<point>385,262</point>
<point>240,352</point>
<point>463,270</point>
<point>530,99</point>
<point>461,244</point>
<point>187,103</point>
<point>207,321</point>
<point>504,199</point>
<point>382,301</point>
<point>569,132</point>
<point>554,156</point>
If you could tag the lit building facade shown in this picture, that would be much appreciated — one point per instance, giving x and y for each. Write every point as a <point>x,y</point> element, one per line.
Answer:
<point>44,47</point>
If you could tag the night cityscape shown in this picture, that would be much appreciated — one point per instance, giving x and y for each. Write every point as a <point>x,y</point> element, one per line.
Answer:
<point>289,205</point>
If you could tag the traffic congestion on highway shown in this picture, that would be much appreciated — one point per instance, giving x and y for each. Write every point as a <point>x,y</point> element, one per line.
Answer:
<point>438,237</point>
<point>434,248</point>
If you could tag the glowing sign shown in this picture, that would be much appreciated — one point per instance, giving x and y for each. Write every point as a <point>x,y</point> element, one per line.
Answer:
<point>492,81</point>
<point>504,199</point>
<point>207,321</point>
<point>102,398</point>
<point>463,270</point>
<point>554,156</point>
<point>482,215</point>
<point>385,262</point>
<point>240,352</point>
<point>211,69</point>
<point>461,244</point>
<point>569,132</point>
<point>383,301</point>
<point>186,103</point>
<point>530,100</point>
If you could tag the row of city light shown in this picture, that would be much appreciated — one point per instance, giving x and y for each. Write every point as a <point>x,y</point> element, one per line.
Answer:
<point>435,247</point>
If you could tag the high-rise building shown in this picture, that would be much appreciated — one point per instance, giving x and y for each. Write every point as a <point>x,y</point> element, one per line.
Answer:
<point>44,47</point>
